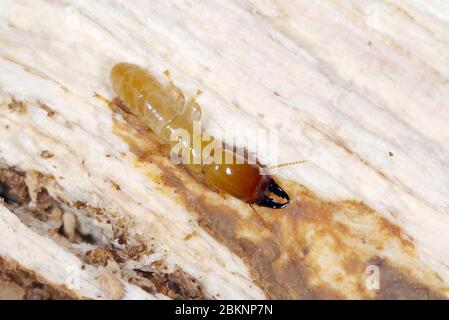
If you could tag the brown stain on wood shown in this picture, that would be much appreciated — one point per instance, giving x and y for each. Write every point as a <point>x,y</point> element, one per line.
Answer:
<point>396,285</point>
<point>313,249</point>
<point>33,286</point>
<point>17,106</point>
<point>50,112</point>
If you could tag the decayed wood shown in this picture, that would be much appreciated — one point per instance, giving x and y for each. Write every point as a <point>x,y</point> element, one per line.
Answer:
<point>358,89</point>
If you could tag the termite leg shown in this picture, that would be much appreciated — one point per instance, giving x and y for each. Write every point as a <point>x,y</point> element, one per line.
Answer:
<point>113,104</point>
<point>259,216</point>
<point>102,98</point>
<point>193,107</point>
<point>180,99</point>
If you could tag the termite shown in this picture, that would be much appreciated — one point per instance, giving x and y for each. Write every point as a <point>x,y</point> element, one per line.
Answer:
<point>164,109</point>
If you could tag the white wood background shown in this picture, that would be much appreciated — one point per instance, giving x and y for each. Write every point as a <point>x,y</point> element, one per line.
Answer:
<point>362,85</point>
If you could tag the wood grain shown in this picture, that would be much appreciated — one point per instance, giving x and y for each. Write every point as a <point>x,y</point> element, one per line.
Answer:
<point>359,89</point>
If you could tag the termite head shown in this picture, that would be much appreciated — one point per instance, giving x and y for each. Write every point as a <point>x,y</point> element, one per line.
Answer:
<point>268,188</point>
<point>245,182</point>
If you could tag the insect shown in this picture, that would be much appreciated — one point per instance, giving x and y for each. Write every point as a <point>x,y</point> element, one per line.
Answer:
<point>164,109</point>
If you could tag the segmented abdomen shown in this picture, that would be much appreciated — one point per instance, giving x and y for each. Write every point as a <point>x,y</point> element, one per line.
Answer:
<point>144,95</point>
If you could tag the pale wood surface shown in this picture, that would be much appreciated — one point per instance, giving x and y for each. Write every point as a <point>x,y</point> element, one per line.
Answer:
<point>359,89</point>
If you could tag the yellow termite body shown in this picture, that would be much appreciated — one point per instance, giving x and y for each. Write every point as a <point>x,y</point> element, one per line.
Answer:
<point>164,109</point>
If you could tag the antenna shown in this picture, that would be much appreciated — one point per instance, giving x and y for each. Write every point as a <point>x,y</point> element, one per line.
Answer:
<point>286,164</point>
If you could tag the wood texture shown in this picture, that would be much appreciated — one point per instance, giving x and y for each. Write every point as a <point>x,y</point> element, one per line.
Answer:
<point>359,89</point>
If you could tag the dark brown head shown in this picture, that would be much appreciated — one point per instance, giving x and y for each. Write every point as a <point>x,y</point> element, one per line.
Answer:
<point>272,188</point>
